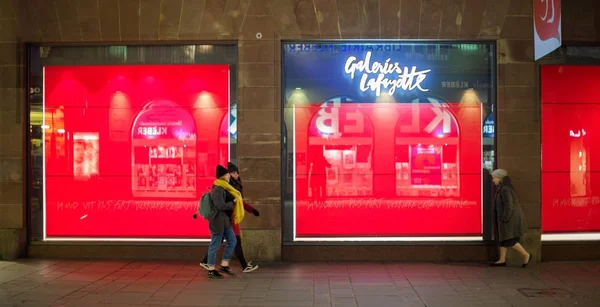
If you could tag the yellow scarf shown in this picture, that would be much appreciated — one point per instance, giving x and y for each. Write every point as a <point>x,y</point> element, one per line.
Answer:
<point>238,208</point>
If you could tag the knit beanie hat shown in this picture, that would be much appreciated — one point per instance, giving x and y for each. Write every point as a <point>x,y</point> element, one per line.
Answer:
<point>221,171</point>
<point>499,173</point>
<point>232,167</point>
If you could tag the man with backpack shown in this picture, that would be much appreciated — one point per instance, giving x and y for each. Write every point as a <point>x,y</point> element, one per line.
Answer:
<point>224,200</point>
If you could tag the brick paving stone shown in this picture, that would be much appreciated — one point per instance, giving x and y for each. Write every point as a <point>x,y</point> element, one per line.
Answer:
<point>38,282</point>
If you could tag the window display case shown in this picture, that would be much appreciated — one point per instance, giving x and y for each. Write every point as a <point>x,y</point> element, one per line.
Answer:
<point>384,140</point>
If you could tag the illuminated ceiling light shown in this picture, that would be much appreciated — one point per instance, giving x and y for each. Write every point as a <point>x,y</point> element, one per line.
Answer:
<point>45,127</point>
<point>470,97</point>
<point>204,100</point>
<point>61,131</point>
<point>298,97</point>
<point>118,100</point>
<point>385,98</point>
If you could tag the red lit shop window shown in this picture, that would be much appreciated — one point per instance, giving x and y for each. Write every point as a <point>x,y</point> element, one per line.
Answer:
<point>340,152</point>
<point>164,151</point>
<point>426,150</point>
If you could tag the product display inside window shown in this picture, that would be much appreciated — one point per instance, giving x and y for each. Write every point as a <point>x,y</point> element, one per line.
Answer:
<point>129,147</point>
<point>570,150</point>
<point>386,141</point>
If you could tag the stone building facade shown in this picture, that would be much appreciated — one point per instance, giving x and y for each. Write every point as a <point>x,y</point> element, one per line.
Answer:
<point>508,22</point>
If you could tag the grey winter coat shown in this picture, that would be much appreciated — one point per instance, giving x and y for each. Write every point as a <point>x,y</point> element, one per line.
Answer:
<point>510,222</point>
<point>221,211</point>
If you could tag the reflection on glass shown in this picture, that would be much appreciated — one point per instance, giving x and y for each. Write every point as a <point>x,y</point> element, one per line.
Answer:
<point>339,151</point>
<point>385,140</point>
<point>128,147</point>
<point>347,159</point>
<point>427,151</point>
<point>85,155</point>
<point>164,143</point>
<point>105,102</point>
<point>570,112</point>
<point>579,164</point>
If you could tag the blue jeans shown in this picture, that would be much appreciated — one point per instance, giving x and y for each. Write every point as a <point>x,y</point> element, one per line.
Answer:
<point>215,244</point>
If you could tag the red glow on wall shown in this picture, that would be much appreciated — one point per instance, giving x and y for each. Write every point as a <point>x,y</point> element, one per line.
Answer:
<point>137,149</point>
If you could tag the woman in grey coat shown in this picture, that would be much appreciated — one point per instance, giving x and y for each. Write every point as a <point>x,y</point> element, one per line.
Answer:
<point>508,218</point>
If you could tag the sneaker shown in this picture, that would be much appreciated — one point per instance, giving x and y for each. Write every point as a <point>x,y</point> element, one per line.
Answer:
<point>214,274</point>
<point>204,265</point>
<point>250,268</point>
<point>226,270</point>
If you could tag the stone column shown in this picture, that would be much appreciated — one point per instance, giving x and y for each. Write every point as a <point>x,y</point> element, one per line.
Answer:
<point>12,210</point>
<point>259,134</point>
<point>518,119</point>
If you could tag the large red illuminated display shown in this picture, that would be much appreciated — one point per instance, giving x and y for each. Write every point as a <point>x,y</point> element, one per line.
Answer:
<point>387,170</point>
<point>570,149</point>
<point>129,149</point>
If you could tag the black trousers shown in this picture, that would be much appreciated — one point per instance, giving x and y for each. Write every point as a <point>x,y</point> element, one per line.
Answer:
<point>239,253</point>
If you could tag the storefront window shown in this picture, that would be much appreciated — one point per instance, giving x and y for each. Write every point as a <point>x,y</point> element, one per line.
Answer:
<point>125,139</point>
<point>387,141</point>
<point>570,150</point>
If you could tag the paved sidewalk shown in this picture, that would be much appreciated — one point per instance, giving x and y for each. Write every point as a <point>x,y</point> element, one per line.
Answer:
<point>118,283</point>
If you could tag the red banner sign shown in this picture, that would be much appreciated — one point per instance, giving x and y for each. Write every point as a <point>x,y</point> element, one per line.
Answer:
<point>547,20</point>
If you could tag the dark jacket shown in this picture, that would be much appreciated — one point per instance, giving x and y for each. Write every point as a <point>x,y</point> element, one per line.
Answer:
<point>221,211</point>
<point>509,218</point>
<point>237,184</point>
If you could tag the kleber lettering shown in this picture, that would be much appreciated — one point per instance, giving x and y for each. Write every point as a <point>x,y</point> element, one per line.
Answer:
<point>152,131</point>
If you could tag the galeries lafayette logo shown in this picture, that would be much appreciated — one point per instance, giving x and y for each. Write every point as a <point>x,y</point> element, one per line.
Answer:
<point>547,14</point>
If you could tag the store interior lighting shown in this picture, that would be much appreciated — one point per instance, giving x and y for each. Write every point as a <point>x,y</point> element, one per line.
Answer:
<point>470,97</point>
<point>204,100</point>
<point>298,97</point>
<point>385,98</point>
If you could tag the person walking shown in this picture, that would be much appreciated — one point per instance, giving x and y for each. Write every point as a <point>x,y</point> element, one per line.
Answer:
<point>224,200</point>
<point>236,182</point>
<point>508,218</point>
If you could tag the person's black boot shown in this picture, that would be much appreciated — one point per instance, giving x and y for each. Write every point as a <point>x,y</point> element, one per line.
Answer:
<point>214,274</point>
<point>226,270</point>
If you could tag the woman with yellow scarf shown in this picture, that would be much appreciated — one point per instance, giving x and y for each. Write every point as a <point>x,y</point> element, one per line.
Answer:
<point>236,182</point>
<point>226,201</point>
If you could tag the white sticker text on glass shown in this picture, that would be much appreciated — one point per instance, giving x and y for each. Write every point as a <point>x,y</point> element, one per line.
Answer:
<point>403,77</point>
